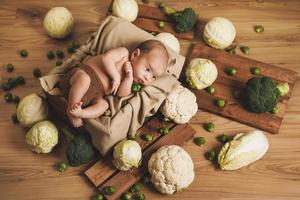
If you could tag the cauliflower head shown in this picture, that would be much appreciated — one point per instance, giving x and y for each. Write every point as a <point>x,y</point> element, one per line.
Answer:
<point>243,150</point>
<point>175,106</point>
<point>201,73</point>
<point>42,137</point>
<point>219,33</point>
<point>127,154</point>
<point>31,109</point>
<point>170,40</point>
<point>126,9</point>
<point>171,169</point>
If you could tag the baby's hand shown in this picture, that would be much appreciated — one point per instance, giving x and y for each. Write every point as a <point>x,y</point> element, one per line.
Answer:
<point>128,69</point>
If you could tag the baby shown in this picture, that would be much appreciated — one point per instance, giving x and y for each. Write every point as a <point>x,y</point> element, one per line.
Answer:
<point>111,73</point>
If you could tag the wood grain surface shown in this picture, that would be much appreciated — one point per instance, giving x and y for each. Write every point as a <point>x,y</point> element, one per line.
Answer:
<point>25,175</point>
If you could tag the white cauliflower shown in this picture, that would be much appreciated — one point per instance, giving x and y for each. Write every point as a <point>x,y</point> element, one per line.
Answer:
<point>170,40</point>
<point>171,169</point>
<point>180,105</point>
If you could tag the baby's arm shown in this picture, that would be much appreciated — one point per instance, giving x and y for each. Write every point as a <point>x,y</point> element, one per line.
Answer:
<point>109,60</point>
<point>125,86</point>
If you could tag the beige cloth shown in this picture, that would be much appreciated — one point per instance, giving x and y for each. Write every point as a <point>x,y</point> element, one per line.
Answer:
<point>107,131</point>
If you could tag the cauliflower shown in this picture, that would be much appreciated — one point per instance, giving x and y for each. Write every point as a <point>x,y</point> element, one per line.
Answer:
<point>243,150</point>
<point>31,109</point>
<point>170,40</point>
<point>42,137</point>
<point>219,33</point>
<point>171,169</point>
<point>175,106</point>
<point>201,73</point>
<point>127,154</point>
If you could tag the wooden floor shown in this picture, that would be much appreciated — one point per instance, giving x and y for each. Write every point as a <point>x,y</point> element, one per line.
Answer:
<point>25,175</point>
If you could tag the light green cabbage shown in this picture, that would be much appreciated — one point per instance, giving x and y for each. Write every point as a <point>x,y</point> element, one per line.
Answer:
<point>42,137</point>
<point>243,150</point>
<point>283,88</point>
<point>201,73</point>
<point>170,40</point>
<point>126,9</point>
<point>219,33</point>
<point>58,22</point>
<point>127,154</point>
<point>31,109</point>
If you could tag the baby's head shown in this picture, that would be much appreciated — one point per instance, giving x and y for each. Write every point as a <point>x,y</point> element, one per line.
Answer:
<point>149,61</point>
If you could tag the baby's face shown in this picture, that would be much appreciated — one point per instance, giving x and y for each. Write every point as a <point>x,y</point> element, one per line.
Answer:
<point>148,67</point>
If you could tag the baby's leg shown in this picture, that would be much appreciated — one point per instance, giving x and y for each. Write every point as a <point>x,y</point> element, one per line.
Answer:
<point>80,83</point>
<point>95,110</point>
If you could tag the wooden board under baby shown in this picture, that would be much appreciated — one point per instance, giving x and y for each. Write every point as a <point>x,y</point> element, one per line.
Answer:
<point>226,85</point>
<point>103,173</point>
<point>149,16</point>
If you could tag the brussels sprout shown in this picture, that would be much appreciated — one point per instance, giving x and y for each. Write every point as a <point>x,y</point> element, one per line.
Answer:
<point>50,55</point>
<point>59,62</point>
<point>199,141</point>
<point>31,109</point>
<point>60,54</point>
<point>109,190</point>
<point>220,103</point>
<point>23,53</point>
<point>255,70</point>
<point>211,155</point>
<point>127,154</point>
<point>135,188</point>
<point>20,80</point>
<point>209,127</point>
<point>62,166</point>
<point>161,24</point>
<point>42,137</point>
<point>99,196</point>
<point>164,130</point>
<point>210,89</point>
<point>140,196</point>
<point>259,29</point>
<point>37,72</point>
<point>10,68</point>
<point>245,49</point>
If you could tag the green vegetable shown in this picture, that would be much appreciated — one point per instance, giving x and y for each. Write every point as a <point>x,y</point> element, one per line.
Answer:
<point>15,99</point>
<point>60,54</point>
<point>161,4</point>
<point>145,1</point>
<point>223,138</point>
<point>210,89</point>
<point>220,103</point>
<point>199,141</point>
<point>161,24</point>
<point>20,80</point>
<point>231,49</point>
<point>211,155</point>
<point>59,62</point>
<point>5,86</point>
<point>259,29</point>
<point>50,55</point>
<point>37,72</point>
<point>230,71</point>
<point>245,49</point>
<point>14,118</point>
<point>61,167</point>
<point>140,196</point>
<point>184,20</point>
<point>107,113</point>
<point>135,188</point>
<point>210,127</point>
<point>71,49</point>
<point>8,97</point>
<point>23,53</point>
<point>136,87</point>
<point>10,68</point>
<point>99,197</point>
<point>75,44</point>
<point>283,88</point>
<point>260,94</point>
<point>275,110</point>
<point>109,190</point>
<point>126,196</point>
<point>255,70</point>
<point>79,150</point>
<point>147,137</point>
<point>164,130</point>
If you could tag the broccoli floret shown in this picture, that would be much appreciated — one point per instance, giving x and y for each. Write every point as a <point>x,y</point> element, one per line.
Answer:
<point>260,94</point>
<point>79,150</point>
<point>184,20</point>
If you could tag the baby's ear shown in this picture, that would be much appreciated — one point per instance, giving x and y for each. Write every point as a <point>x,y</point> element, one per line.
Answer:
<point>135,54</point>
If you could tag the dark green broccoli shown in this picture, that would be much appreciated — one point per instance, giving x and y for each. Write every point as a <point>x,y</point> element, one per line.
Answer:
<point>184,20</point>
<point>260,94</point>
<point>79,150</point>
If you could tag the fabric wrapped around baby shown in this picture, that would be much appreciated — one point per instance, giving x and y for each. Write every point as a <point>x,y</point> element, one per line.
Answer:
<point>124,120</point>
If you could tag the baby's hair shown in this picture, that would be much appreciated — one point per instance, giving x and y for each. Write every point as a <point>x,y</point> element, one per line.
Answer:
<point>149,45</point>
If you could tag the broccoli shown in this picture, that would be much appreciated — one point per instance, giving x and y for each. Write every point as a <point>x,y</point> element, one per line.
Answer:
<point>260,94</point>
<point>184,20</point>
<point>79,150</point>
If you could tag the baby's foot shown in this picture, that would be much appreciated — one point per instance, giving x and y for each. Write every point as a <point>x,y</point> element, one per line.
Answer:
<point>76,110</point>
<point>75,121</point>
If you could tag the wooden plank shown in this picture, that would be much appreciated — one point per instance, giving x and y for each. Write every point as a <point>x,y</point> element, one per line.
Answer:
<point>123,180</point>
<point>226,86</point>
<point>103,169</point>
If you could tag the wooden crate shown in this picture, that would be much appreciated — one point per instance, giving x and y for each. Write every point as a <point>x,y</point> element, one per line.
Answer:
<point>226,85</point>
